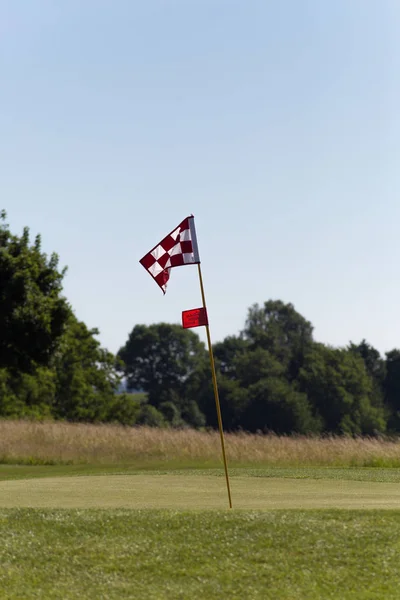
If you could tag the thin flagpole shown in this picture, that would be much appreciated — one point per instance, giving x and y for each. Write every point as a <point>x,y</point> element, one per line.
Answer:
<point>214,380</point>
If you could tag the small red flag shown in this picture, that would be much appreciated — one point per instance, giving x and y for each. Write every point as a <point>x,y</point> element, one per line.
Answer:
<point>194,318</point>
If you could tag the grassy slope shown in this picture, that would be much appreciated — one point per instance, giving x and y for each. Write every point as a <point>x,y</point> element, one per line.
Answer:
<point>178,555</point>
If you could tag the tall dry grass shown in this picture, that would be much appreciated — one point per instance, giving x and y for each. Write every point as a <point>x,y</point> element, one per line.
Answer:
<point>57,443</point>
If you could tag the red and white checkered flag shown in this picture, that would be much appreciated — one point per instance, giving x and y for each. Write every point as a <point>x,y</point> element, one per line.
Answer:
<point>177,249</point>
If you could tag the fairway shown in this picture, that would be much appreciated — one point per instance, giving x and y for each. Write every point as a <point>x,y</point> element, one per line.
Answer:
<point>178,491</point>
<point>180,555</point>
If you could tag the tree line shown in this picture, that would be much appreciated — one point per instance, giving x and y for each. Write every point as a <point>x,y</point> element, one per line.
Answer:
<point>272,376</point>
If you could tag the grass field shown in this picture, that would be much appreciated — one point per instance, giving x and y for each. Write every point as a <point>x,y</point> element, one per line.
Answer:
<point>198,490</point>
<point>150,554</point>
<point>143,514</point>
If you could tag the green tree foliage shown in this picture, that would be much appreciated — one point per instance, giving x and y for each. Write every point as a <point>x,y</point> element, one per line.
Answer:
<point>275,405</point>
<point>51,365</point>
<point>274,402</point>
<point>257,364</point>
<point>86,375</point>
<point>27,395</point>
<point>340,391</point>
<point>33,314</point>
<point>79,384</point>
<point>280,329</point>
<point>162,360</point>
<point>373,361</point>
<point>226,353</point>
<point>233,400</point>
<point>275,377</point>
<point>257,396</point>
<point>375,366</point>
<point>150,416</point>
<point>392,389</point>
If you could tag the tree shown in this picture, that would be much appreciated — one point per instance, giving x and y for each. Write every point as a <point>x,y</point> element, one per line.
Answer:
<point>33,314</point>
<point>162,360</point>
<point>86,376</point>
<point>27,395</point>
<point>340,391</point>
<point>233,400</point>
<point>256,364</point>
<point>275,405</point>
<point>392,389</point>
<point>374,363</point>
<point>280,329</point>
<point>255,393</point>
<point>227,351</point>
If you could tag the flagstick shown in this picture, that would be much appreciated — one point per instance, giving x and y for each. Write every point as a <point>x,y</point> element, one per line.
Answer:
<point>214,380</point>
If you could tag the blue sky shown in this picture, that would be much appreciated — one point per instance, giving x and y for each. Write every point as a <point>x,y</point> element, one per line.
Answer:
<point>275,123</point>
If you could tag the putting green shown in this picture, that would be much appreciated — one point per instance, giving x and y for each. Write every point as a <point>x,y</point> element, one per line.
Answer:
<point>202,492</point>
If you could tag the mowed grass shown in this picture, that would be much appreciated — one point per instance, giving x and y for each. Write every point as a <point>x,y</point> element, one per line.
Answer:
<point>56,443</point>
<point>91,511</point>
<point>152,554</point>
<point>202,491</point>
<point>370,474</point>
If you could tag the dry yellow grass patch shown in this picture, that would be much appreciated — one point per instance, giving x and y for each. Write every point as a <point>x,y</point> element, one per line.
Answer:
<point>55,442</point>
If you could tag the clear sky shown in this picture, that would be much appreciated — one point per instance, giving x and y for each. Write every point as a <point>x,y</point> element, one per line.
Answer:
<point>276,123</point>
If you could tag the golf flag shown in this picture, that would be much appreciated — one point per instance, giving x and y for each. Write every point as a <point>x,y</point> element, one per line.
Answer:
<point>177,249</point>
